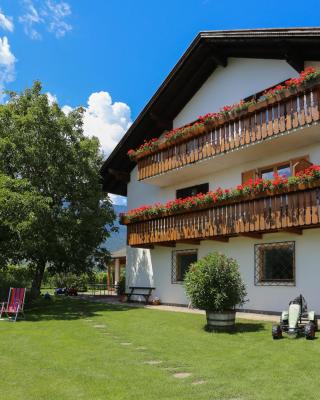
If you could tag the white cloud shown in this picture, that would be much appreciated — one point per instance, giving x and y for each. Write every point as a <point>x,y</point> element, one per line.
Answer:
<point>66,109</point>
<point>52,98</point>
<point>6,22</point>
<point>57,13</point>
<point>118,200</point>
<point>105,120</point>
<point>51,14</point>
<point>29,19</point>
<point>7,65</point>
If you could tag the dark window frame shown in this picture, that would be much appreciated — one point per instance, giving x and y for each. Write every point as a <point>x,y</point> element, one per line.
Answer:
<point>201,188</point>
<point>259,266</point>
<point>175,278</point>
<point>274,168</point>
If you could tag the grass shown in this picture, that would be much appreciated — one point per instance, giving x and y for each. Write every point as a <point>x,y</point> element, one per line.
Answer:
<point>58,353</point>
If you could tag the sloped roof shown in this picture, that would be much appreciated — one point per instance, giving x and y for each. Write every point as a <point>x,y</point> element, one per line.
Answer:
<point>209,50</point>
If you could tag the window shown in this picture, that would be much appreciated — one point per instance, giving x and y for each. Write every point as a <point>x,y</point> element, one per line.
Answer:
<point>192,190</point>
<point>287,168</point>
<point>275,264</point>
<point>280,169</point>
<point>181,261</point>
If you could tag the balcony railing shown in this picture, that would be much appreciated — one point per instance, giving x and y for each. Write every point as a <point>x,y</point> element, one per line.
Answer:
<point>292,210</point>
<point>261,121</point>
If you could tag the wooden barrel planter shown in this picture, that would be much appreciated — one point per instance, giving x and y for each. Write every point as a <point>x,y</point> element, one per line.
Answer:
<point>221,320</point>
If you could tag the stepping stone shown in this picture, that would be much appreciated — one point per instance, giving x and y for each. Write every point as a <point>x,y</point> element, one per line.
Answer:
<point>126,344</point>
<point>89,320</point>
<point>153,362</point>
<point>198,383</point>
<point>182,375</point>
<point>99,326</point>
<point>141,348</point>
<point>172,368</point>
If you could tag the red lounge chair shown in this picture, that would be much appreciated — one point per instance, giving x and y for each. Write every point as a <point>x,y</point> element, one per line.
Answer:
<point>15,303</point>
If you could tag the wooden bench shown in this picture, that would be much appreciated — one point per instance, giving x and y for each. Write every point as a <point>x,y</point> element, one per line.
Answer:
<point>136,291</point>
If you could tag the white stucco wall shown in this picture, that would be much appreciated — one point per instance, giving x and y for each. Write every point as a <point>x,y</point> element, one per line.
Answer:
<point>241,78</point>
<point>153,267</point>
<point>267,298</point>
<point>144,193</point>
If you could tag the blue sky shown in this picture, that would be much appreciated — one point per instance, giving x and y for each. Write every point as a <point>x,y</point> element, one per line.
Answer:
<point>111,55</point>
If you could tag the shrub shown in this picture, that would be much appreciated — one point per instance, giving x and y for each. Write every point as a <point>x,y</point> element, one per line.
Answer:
<point>214,283</point>
<point>80,281</point>
<point>101,277</point>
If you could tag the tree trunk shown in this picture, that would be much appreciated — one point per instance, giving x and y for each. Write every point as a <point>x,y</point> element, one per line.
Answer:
<point>37,280</point>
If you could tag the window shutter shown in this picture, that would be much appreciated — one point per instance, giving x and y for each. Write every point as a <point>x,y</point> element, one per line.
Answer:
<point>300,165</point>
<point>248,175</point>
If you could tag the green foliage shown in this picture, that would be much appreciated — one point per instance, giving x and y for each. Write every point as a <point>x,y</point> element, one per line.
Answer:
<point>14,276</point>
<point>64,215</point>
<point>121,289</point>
<point>214,283</point>
<point>22,210</point>
<point>100,277</point>
<point>81,281</point>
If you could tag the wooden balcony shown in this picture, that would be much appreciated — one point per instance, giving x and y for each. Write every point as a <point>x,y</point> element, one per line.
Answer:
<point>262,121</point>
<point>292,210</point>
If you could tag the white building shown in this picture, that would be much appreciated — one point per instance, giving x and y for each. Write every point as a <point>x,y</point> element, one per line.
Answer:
<point>279,256</point>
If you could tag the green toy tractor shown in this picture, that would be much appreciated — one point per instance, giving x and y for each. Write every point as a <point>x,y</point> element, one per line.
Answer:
<point>297,321</point>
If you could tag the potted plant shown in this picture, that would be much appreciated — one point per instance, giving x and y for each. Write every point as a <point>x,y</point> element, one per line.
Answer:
<point>214,284</point>
<point>156,301</point>
<point>121,289</point>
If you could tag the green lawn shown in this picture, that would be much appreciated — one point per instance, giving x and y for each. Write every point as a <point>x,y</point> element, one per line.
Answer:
<point>58,353</point>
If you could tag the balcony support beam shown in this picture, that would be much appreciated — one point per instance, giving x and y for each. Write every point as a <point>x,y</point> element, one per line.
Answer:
<point>190,241</point>
<point>224,239</point>
<point>296,231</point>
<point>143,246</point>
<point>166,244</point>
<point>252,235</point>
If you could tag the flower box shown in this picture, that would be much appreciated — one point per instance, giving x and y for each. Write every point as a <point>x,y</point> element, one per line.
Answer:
<point>272,99</point>
<point>281,95</point>
<point>261,104</point>
<point>310,83</point>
